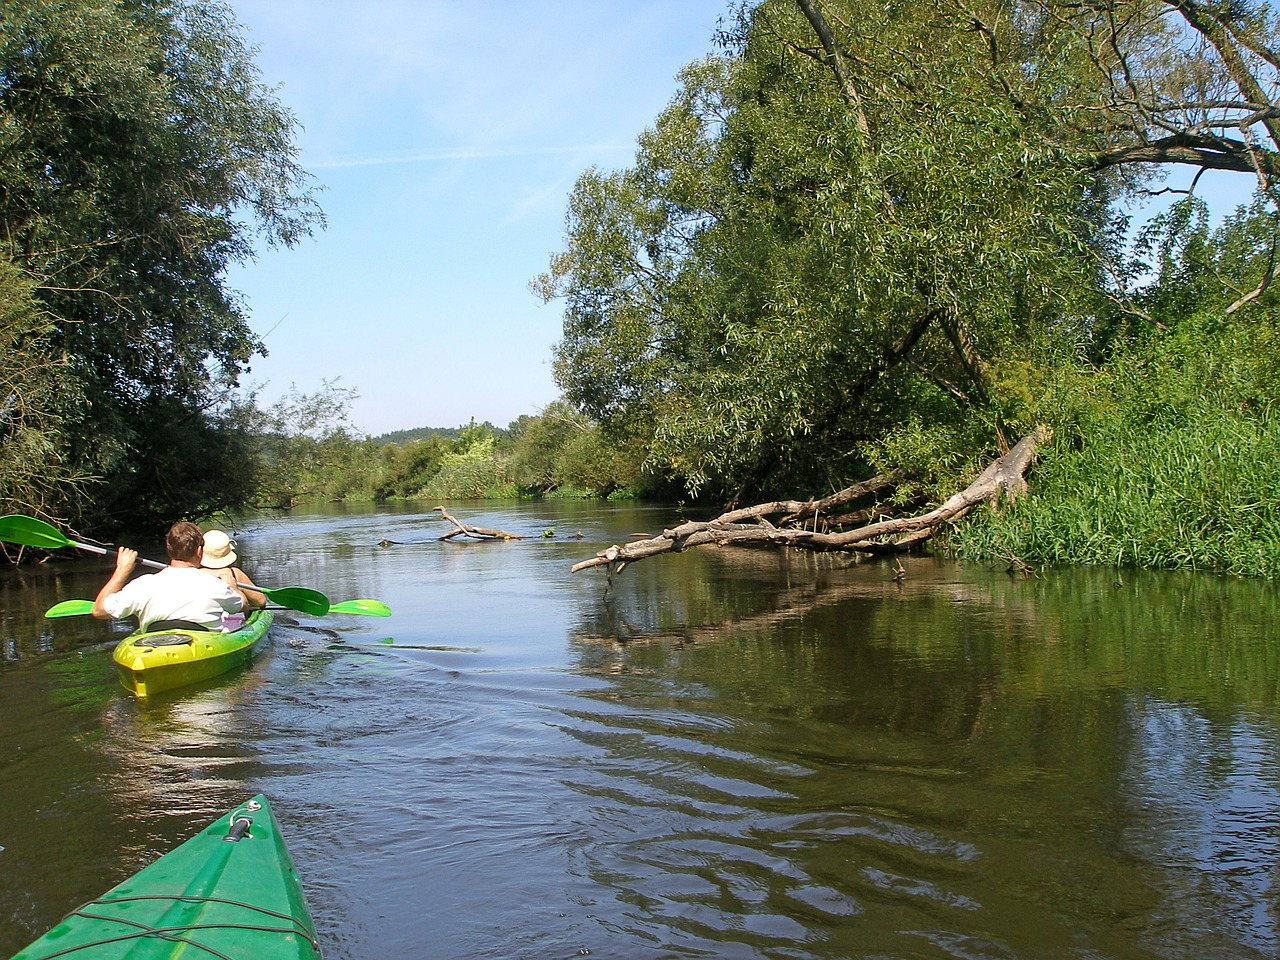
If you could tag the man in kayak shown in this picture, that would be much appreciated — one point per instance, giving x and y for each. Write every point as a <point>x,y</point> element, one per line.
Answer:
<point>179,597</point>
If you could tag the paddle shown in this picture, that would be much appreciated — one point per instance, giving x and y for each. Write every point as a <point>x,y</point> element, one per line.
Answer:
<point>30,532</point>
<point>366,608</point>
<point>70,608</point>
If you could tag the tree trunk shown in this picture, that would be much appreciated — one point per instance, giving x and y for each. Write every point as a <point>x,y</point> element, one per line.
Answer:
<point>1004,478</point>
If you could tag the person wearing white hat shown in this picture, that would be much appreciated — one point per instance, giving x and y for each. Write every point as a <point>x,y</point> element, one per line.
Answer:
<point>219,558</point>
<point>179,597</point>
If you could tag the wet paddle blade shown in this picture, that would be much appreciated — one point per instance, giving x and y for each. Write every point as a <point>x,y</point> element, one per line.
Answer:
<point>70,608</point>
<point>30,532</point>
<point>364,608</point>
<point>310,602</point>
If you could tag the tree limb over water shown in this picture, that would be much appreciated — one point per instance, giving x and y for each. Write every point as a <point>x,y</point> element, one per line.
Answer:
<point>1004,478</point>
<point>476,533</point>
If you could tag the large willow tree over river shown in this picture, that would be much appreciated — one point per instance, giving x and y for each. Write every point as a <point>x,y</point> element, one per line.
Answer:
<point>139,157</point>
<point>875,235</point>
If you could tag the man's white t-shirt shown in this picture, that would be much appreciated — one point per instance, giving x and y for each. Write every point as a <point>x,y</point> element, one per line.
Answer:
<point>175,593</point>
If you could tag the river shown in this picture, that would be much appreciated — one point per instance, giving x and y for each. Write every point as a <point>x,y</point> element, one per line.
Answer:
<point>722,753</point>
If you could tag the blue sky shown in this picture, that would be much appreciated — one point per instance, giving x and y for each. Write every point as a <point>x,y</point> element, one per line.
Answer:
<point>447,137</point>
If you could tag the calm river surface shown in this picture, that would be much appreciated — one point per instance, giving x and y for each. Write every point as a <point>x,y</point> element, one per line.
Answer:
<point>725,754</point>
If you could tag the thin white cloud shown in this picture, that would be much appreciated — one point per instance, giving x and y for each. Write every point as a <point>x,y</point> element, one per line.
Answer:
<point>440,156</point>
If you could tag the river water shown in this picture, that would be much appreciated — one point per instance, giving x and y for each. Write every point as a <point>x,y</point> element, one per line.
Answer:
<point>722,753</point>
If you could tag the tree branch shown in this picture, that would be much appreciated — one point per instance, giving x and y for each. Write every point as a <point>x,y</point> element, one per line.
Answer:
<point>1003,478</point>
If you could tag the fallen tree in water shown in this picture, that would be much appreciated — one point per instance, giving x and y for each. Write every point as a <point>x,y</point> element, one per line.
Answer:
<point>819,524</point>
<point>477,533</point>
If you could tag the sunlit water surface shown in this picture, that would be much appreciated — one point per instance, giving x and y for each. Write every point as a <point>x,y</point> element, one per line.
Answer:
<point>718,754</point>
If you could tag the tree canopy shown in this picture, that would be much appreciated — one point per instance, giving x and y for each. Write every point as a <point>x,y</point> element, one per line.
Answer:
<point>863,229</point>
<point>140,156</point>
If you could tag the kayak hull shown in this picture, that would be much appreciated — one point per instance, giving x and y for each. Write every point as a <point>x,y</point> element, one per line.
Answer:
<point>213,896</point>
<point>150,663</point>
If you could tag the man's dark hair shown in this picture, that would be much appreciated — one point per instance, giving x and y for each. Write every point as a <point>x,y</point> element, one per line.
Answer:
<point>184,541</point>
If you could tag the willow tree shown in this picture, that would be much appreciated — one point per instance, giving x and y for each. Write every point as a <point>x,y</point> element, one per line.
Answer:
<point>862,230</point>
<point>795,268</point>
<point>140,156</point>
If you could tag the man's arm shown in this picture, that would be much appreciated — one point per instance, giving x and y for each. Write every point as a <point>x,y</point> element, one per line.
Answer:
<point>126,560</point>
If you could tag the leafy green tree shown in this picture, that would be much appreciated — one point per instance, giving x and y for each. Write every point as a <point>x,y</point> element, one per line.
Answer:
<point>305,450</point>
<point>563,451</point>
<point>472,469</point>
<point>789,271</point>
<point>32,453</point>
<point>405,469</point>
<point>834,233</point>
<point>140,156</point>
<point>538,449</point>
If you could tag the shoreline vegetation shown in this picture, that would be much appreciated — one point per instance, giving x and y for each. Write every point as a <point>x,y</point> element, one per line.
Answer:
<point>839,255</point>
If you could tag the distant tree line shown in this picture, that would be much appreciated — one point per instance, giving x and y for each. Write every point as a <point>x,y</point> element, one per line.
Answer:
<point>426,433</point>
<point>305,451</point>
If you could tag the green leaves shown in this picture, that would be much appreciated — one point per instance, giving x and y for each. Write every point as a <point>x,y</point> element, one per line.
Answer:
<point>141,158</point>
<point>783,276</point>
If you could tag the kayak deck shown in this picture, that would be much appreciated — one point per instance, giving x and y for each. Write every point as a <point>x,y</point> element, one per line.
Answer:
<point>230,891</point>
<point>150,663</point>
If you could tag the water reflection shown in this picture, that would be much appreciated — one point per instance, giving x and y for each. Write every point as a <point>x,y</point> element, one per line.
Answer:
<point>720,753</point>
<point>957,761</point>
<point>1203,804</point>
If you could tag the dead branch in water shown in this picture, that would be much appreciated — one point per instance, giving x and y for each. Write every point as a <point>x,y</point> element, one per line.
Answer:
<point>477,533</point>
<point>1002,478</point>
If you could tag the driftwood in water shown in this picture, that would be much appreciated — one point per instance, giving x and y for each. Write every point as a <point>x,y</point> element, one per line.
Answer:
<point>478,533</point>
<point>1004,477</point>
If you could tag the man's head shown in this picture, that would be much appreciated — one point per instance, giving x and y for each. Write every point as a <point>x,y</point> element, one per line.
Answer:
<point>184,542</point>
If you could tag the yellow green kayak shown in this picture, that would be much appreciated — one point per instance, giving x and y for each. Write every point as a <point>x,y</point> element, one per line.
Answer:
<point>150,663</point>
<point>230,891</point>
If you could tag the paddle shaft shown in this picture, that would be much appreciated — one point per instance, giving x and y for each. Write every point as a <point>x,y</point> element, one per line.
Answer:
<point>366,608</point>
<point>104,551</point>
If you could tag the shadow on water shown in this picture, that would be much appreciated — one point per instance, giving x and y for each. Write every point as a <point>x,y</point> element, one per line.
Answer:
<point>718,753</point>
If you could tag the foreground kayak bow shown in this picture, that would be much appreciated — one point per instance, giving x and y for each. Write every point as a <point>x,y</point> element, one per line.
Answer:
<point>230,891</point>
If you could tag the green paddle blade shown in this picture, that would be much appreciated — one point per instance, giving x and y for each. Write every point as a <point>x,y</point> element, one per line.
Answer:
<point>365,608</point>
<point>30,532</point>
<point>70,608</point>
<point>310,602</point>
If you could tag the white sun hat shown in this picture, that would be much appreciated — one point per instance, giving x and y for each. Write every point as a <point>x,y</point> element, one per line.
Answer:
<point>219,550</point>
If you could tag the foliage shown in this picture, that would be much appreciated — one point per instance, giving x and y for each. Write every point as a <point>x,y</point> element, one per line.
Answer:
<point>1170,454</point>
<point>782,278</point>
<point>842,249</point>
<point>406,468</point>
<point>471,471</point>
<point>141,156</point>
<point>1190,485</point>
<point>305,450</point>
<point>32,393</point>
<point>186,463</point>
<point>404,437</point>
<point>562,452</point>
